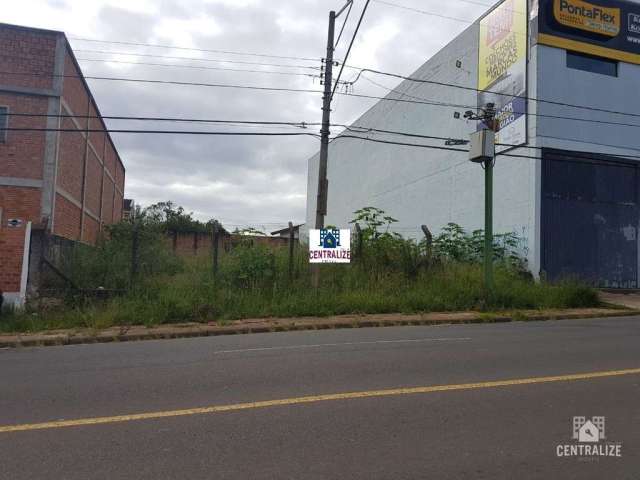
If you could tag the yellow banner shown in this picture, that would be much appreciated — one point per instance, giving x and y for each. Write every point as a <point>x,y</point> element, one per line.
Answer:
<point>503,41</point>
<point>588,17</point>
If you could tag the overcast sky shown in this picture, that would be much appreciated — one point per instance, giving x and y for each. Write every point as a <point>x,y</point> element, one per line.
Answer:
<point>240,180</point>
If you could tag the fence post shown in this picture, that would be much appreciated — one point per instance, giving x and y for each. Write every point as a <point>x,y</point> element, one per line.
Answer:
<point>134,254</point>
<point>429,238</point>
<point>291,251</point>
<point>359,240</point>
<point>175,241</point>
<point>214,246</point>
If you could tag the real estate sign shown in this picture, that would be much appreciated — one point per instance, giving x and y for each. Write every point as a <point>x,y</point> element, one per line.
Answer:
<point>330,246</point>
<point>502,69</point>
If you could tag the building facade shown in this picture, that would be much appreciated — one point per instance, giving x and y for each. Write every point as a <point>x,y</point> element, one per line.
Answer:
<point>566,180</point>
<point>59,169</point>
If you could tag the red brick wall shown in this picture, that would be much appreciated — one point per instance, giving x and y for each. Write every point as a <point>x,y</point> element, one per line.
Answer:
<point>74,92</point>
<point>107,201</point>
<point>24,204</point>
<point>33,53</point>
<point>91,230</point>
<point>183,243</point>
<point>96,138</point>
<point>67,219</point>
<point>93,183</point>
<point>117,209</point>
<point>22,153</point>
<point>70,160</point>
<point>28,53</point>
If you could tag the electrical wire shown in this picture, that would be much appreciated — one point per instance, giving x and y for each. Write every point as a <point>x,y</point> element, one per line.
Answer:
<point>576,157</point>
<point>216,60</point>
<point>424,12</point>
<point>258,123</point>
<point>355,95</point>
<point>477,90</point>
<point>353,39</point>
<point>193,49</point>
<point>165,132</point>
<point>167,82</point>
<point>529,114</point>
<point>344,24</point>
<point>198,67</point>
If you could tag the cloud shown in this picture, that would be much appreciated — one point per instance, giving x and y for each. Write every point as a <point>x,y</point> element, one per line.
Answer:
<point>236,179</point>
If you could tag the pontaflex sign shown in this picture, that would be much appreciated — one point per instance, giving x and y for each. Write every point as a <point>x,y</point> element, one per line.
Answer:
<point>502,69</point>
<point>330,246</point>
<point>606,28</point>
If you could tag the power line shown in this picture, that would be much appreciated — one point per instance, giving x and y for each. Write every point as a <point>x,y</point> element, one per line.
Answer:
<point>477,90</point>
<point>281,89</point>
<point>344,24</point>
<point>164,119</point>
<point>167,132</point>
<point>193,49</point>
<point>424,12</point>
<point>301,124</point>
<point>216,60</point>
<point>353,38</point>
<point>197,67</point>
<point>530,114</point>
<point>577,157</point>
<point>167,82</point>
<point>355,95</point>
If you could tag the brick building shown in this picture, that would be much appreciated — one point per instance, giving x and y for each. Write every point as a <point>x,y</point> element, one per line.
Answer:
<point>68,182</point>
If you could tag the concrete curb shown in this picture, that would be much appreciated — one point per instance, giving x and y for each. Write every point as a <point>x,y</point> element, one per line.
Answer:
<point>138,333</point>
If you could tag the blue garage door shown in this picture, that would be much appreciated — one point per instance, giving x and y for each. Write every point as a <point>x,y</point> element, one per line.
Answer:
<point>590,219</point>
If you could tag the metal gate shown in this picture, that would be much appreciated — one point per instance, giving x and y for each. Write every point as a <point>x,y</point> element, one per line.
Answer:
<point>590,219</point>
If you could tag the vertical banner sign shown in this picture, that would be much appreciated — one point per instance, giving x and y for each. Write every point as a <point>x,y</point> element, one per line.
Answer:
<point>502,69</point>
<point>330,246</point>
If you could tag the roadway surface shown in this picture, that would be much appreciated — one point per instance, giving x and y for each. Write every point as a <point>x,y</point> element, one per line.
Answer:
<point>507,430</point>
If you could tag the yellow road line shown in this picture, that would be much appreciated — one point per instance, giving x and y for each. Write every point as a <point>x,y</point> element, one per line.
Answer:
<point>313,399</point>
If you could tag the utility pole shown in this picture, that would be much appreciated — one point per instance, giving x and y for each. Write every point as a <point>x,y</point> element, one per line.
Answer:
<point>482,150</point>
<point>323,182</point>
<point>488,223</point>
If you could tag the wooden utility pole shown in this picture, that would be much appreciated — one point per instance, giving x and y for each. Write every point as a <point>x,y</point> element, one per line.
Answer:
<point>323,183</point>
<point>291,245</point>
<point>214,245</point>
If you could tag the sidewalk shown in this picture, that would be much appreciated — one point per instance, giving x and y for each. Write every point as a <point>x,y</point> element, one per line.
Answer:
<point>136,333</point>
<point>628,299</point>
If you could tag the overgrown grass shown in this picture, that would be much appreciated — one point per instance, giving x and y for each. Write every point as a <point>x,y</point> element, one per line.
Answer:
<point>390,275</point>
<point>194,295</point>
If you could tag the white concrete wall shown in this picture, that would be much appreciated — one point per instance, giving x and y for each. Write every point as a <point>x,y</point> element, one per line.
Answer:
<point>424,186</point>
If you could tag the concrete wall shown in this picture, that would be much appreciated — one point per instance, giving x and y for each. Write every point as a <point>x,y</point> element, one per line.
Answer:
<point>427,186</point>
<point>559,83</point>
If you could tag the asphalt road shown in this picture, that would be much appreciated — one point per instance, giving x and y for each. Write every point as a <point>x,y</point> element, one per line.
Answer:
<point>509,430</point>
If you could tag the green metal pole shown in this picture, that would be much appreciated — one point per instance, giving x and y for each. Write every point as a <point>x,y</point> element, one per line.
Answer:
<point>488,225</point>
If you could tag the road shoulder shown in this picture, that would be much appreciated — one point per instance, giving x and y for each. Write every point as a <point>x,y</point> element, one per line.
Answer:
<point>138,333</point>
